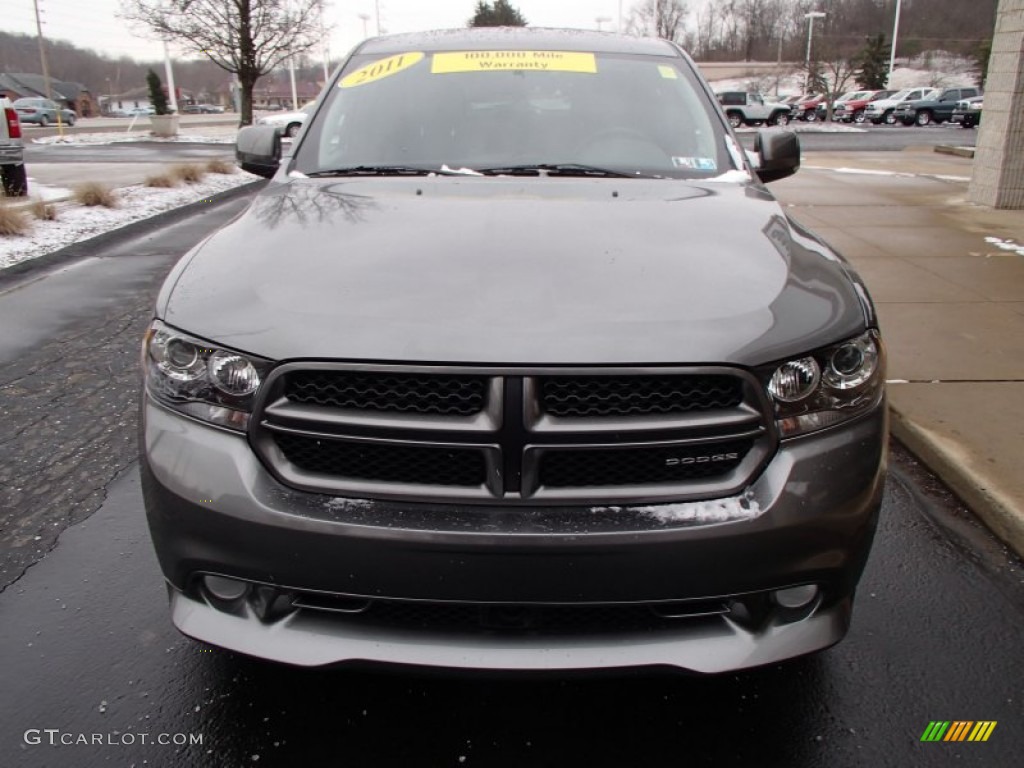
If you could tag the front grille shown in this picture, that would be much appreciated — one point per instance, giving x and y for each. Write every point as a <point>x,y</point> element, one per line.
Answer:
<point>582,396</point>
<point>395,392</point>
<point>556,436</point>
<point>385,462</point>
<point>639,466</point>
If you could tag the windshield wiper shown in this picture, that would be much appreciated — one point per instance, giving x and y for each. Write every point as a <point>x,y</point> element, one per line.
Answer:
<point>382,170</point>
<point>559,169</point>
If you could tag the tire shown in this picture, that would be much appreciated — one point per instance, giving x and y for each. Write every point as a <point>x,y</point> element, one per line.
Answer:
<point>15,180</point>
<point>779,118</point>
<point>292,130</point>
<point>889,118</point>
<point>858,116</point>
<point>924,117</point>
<point>70,121</point>
<point>908,121</point>
<point>735,119</point>
<point>811,115</point>
<point>43,121</point>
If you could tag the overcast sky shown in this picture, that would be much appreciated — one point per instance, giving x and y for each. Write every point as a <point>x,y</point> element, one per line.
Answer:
<point>92,24</point>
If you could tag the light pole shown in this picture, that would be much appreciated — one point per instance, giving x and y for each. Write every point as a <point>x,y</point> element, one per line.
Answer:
<point>601,20</point>
<point>365,17</point>
<point>810,35</point>
<point>895,33</point>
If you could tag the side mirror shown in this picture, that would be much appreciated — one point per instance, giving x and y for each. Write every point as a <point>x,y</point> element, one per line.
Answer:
<point>779,153</point>
<point>258,149</point>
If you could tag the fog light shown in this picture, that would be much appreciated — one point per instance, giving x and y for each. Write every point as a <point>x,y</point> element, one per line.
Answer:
<point>224,588</point>
<point>796,597</point>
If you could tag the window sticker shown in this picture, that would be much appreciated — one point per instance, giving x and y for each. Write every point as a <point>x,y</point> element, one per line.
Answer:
<point>669,73</point>
<point>371,73</point>
<point>482,61</point>
<point>695,163</point>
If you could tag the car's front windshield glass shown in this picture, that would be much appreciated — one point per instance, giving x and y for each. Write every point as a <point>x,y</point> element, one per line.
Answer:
<point>494,110</point>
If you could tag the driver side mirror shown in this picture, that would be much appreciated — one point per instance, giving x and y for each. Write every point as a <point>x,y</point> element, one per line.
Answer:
<point>780,155</point>
<point>258,149</point>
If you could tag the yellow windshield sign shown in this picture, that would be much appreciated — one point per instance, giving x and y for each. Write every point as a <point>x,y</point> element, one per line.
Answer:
<point>371,73</point>
<point>542,61</point>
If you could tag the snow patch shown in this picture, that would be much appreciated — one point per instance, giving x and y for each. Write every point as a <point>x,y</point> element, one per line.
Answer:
<point>76,222</point>
<point>1006,245</point>
<point>727,510</point>
<point>218,134</point>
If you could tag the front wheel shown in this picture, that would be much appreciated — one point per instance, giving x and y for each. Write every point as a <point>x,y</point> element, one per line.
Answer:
<point>923,118</point>
<point>780,118</point>
<point>43,121</point>
<point>889,118</point>
<point>858,116</point>
<point>735,119</point>
<point>811,115</point>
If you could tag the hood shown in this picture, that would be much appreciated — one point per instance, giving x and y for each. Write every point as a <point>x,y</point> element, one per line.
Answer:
<point>514,271</point>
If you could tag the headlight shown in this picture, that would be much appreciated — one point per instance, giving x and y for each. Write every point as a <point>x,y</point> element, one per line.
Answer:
<point>207,383</point>
<point>828,387</point>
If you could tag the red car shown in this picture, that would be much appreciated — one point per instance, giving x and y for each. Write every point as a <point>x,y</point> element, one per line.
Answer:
<point>853,110</point>
<point>807,109</point>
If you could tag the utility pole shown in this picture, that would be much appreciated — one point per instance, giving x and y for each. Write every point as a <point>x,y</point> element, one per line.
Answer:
<point>376,5</point>
<point>46,69</point>
<point>172,97</point>
<point>895,33</point>
<point>291,71</point>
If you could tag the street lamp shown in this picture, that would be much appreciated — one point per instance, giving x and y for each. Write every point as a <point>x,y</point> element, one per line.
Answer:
<point>892,53</point>
<point>811,16</point>
<point>601,20</point>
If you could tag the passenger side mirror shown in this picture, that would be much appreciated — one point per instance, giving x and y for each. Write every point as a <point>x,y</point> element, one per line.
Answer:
<point>779,153</point>
<point>258,149</point>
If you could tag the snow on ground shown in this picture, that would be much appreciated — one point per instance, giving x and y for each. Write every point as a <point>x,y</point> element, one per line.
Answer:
<point>203,134</point>
<point>1006,245</point>
<point>76,222</point>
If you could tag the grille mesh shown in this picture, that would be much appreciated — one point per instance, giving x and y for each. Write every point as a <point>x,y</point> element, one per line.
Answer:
<point>404,392</point>
<point>388,463</point>
<point>582,396</point>
<point>639,466</point>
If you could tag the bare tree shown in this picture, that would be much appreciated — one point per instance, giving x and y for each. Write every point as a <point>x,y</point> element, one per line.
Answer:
<point>658,18</point>
<point>247,38</point>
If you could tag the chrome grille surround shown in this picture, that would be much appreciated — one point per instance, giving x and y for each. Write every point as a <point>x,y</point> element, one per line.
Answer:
<point>513,437</point>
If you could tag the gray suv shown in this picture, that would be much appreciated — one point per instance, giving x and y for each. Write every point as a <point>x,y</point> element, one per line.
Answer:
<point>514,364</point>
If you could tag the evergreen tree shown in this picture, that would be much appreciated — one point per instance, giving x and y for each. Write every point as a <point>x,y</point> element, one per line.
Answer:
<point>157,97</point>
<point>873,64</point>
<point>500,13</point>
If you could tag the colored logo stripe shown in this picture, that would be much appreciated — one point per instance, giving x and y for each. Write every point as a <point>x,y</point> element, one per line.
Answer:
<point>958,730</point>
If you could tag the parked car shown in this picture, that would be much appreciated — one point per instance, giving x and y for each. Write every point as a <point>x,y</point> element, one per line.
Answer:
<point>288,122</point>
<point>42,112</point>
<point>881,110</point>
<point>806,108</point>
<point>968,112</point>
<point>935,107</point>
<point>515,363</point>
<point>13,179</point>
<point>744,108</point>
<point>853,110</point>
<point>203,109</point>
<point>822,108</point>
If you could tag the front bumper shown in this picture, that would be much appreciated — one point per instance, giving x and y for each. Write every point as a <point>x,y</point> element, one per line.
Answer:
<point>214,509</point>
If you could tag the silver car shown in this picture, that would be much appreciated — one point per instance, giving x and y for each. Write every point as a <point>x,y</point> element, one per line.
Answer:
<point>516,363</point>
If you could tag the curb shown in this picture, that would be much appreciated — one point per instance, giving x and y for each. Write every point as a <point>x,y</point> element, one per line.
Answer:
<point>16,272</point>
<point>1002,516</point>
<point>944,149</point>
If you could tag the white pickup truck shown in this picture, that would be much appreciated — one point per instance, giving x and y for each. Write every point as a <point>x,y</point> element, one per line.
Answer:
<point>745,108</point>
<point>12,162</point>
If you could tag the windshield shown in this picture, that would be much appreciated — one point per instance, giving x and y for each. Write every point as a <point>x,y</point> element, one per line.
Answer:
<point>496,110</point>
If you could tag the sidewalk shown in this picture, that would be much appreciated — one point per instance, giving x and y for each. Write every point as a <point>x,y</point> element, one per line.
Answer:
<point>951,306</point>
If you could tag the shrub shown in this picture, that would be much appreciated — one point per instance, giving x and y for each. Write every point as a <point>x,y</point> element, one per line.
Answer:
<point>189,173</point>
<point>43,210</point>
<point>218,165</point>
<point>94,193</point>
<point>12,221</point>
<point>161,180</point>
